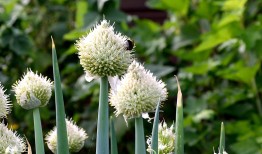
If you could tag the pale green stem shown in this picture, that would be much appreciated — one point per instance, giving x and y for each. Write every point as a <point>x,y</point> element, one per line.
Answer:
<point>222,139</point>
<point>39,142</point>
<point>140,137</point>
<point>102,138</point>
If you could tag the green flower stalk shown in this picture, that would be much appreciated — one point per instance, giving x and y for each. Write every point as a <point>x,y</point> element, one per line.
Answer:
<point>104,52</point>
<point>137,92</point>
<point>4,103</point>
<point>10,142</point>
<point>33,90</point>
<point>166,139</point>
<point>76,137</point>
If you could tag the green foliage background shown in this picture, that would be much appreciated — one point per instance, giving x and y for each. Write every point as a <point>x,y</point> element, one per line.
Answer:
<point>215,48</point>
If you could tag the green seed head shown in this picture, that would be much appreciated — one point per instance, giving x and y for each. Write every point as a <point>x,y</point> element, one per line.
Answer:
<point>76,137</point>
<point>33,90</point>
<point>4,103</point>
<point>10,142</point>
<point>137,92</point>
<point>104,52</point>
<point>166,139</point>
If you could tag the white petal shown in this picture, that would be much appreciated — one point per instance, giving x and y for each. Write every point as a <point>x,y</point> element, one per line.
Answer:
<point>146,116</point>
<point>89,77</point>
<point>114,82</point>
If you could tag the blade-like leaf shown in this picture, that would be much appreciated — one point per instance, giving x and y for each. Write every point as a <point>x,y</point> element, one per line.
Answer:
<point>62,141</point>
<point>102,138</point>
<point>179,139</point>
<point>39,142</point>
<point>140,137</point>
<point>154,143</point>
<point>113,137</point>
<point>222,139</point>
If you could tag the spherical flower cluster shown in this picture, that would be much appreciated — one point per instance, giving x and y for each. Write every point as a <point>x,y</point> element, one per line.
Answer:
<point>33,90</point>
<point>4,103</point>
<point>166,139</point>
<point>137,92</point>
<point>76,137</point>
<point>10,142</point>
<point>103,52</point>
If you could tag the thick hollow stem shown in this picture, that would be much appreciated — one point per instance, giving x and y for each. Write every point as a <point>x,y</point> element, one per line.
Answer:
<point>113,137</point>
<point>222,139</point>
<point>39,142</point>
<point>102,138</point>
<point>140,137</point>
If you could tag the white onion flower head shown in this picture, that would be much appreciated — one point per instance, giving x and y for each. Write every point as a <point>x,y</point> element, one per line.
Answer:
<point>166,139</point>
<point>137,92</point>
<point>10,142</point>
<point>76,137</point>
<point>4,103</point>
<point>33,90</point>
<point>104,52</point>
<point>224,152</point>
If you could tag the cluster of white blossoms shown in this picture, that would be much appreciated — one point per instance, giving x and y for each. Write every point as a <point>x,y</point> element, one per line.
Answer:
<point>76,137</point>
<point>103,52</point>
<point>10,142</point>
<point>33,90</point>
<point>137,92</point>
<point>4,103</point>
<point>166,139</point>
<point>224,152</point>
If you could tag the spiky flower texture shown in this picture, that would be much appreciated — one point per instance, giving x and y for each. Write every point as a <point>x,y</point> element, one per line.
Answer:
<point>4,103</point>
<point>10,142</point>
<point>76,137</point>
<point>166,139</point>
<point>33,90</point>
<point>137,92</point>
<point>103,52</point>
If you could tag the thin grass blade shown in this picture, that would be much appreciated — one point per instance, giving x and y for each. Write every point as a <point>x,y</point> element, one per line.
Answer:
<point>39,142</point>
<point>62,141</point>
<point>179,139</point>
<point>222,139</point>
<point>140,137</point>
<point>113,137</point>
<point>154,143</point>
<point>102,138</point>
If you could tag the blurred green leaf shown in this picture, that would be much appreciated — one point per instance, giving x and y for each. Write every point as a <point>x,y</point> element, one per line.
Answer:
<point>234,5</point>
<point>81,9</point>
<point>239,72</point>
<point>21,44</point>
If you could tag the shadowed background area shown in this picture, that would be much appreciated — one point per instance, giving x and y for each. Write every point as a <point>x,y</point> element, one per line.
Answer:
<point>214,47</point>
